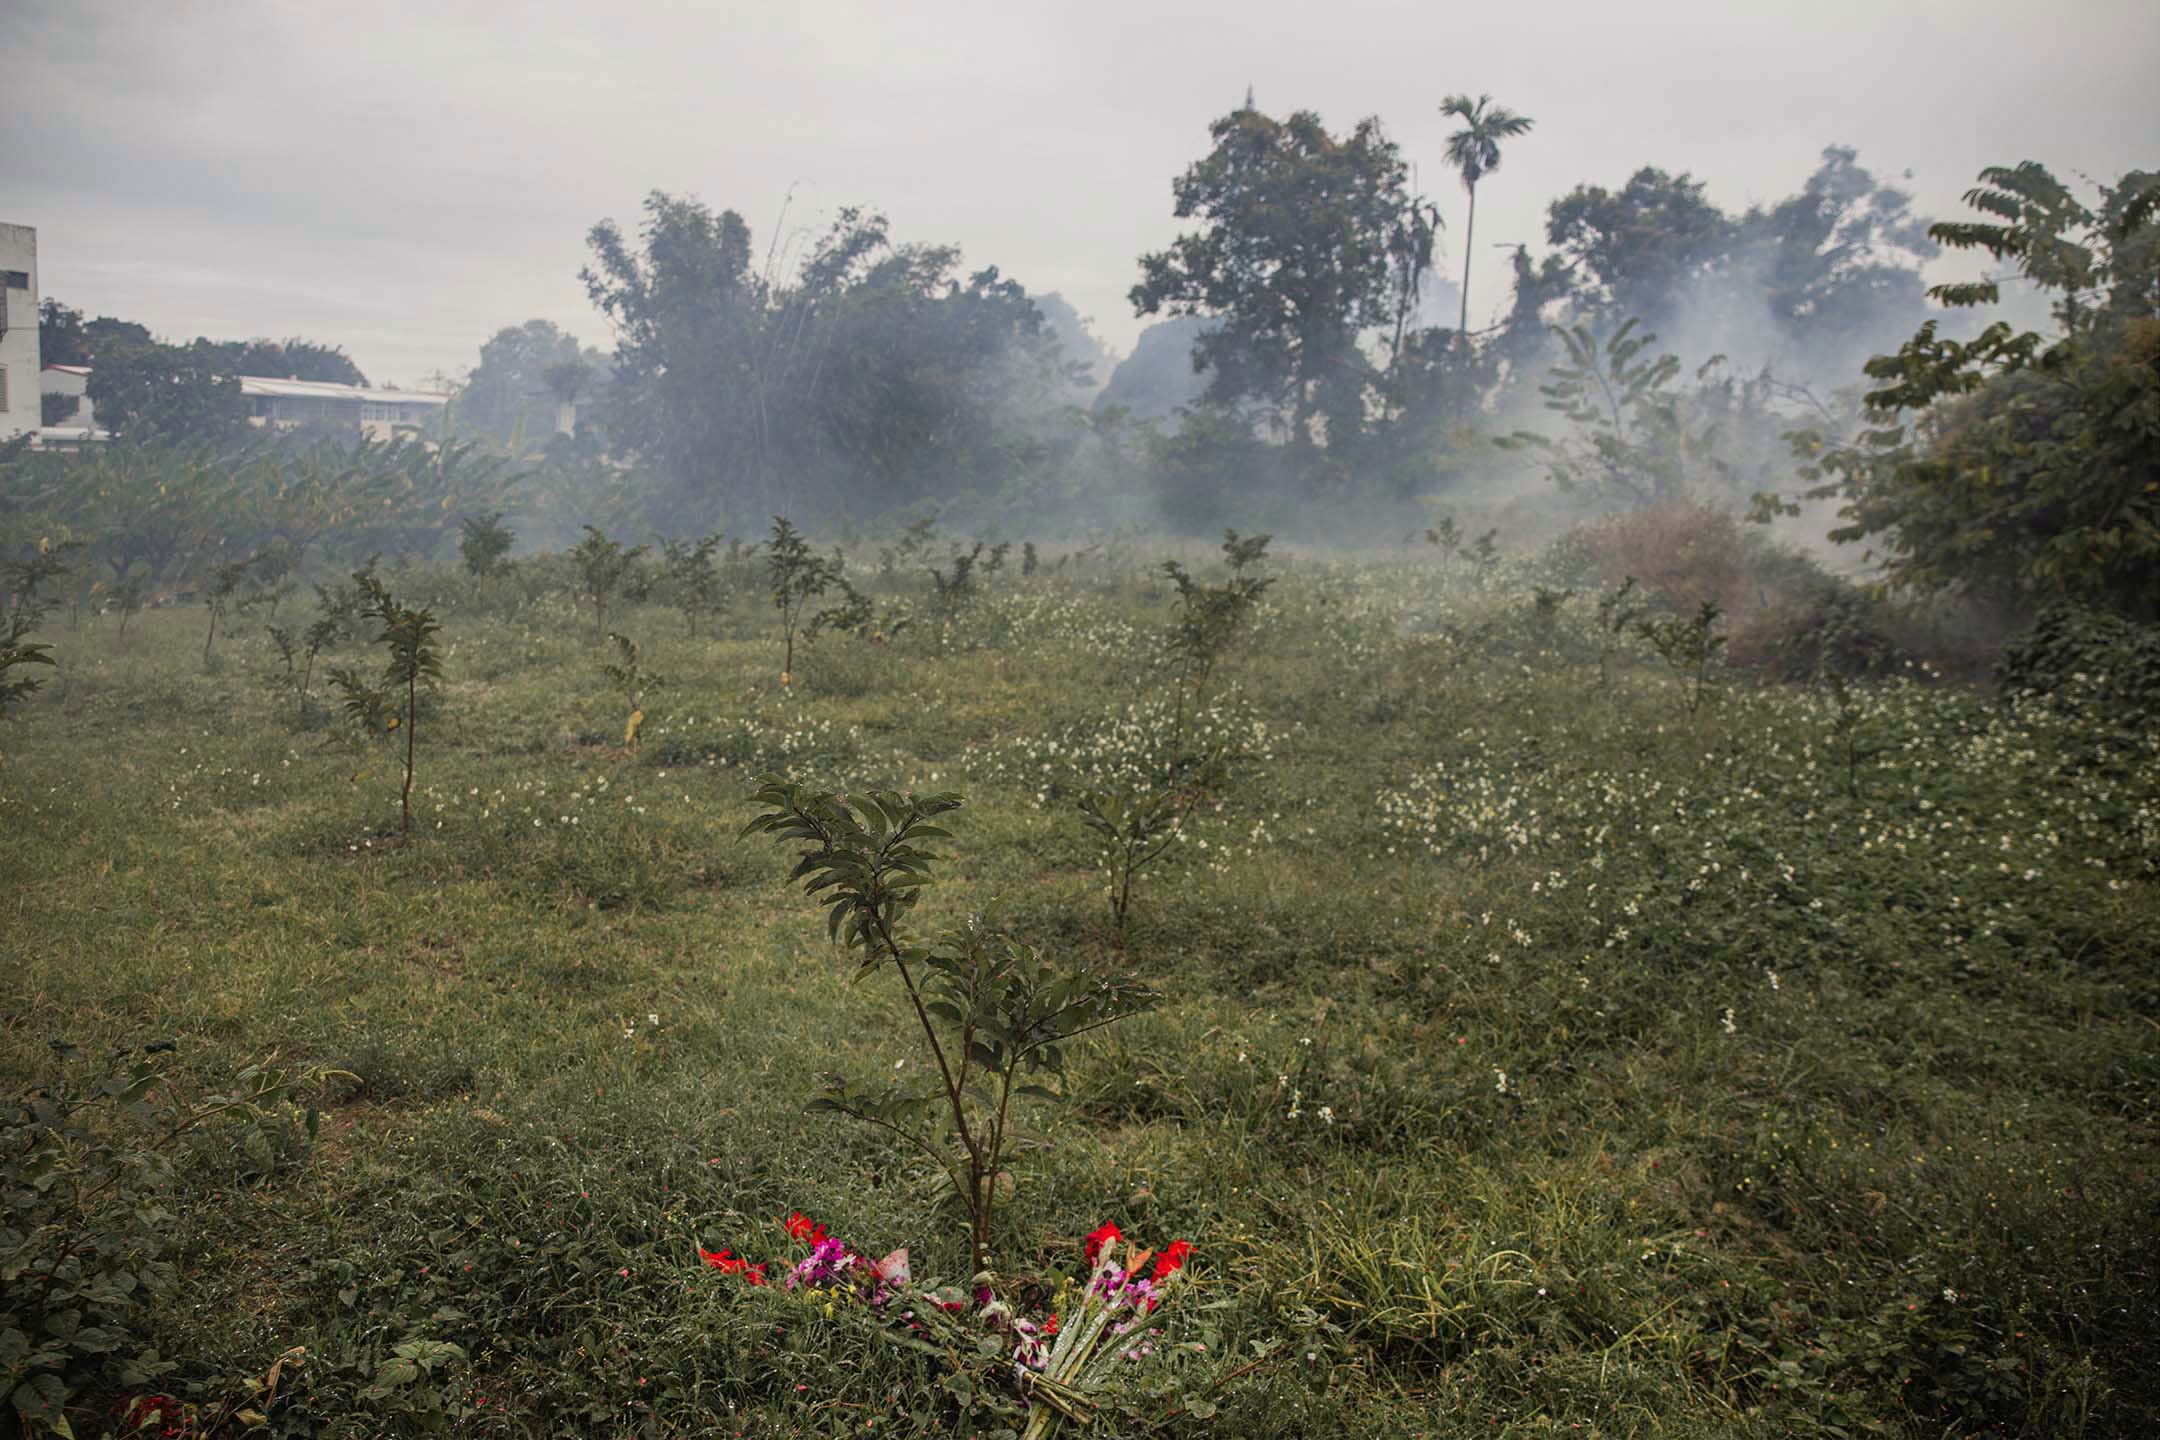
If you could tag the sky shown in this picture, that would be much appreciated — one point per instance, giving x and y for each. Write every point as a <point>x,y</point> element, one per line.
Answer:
<point>405,179</point>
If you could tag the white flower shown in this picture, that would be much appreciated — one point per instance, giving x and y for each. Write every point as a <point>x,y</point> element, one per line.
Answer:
<point>1327,1115</point>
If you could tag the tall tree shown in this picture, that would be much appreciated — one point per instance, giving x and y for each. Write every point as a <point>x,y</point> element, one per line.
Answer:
<point>2027,470</point>
<point>509,393</point>
<point>175,394</point>
<point>686,312</point>
<point>1474,151</point>
<point>1293,263</point>
<point>292,359</point>
<point>1636,251</point>
<point>60,334</point>
<point>874,375</point>
<point>65,338</point>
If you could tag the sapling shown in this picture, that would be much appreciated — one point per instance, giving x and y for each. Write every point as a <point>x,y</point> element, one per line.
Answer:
<point>951,594</point>
<point>1211,616</point>
<point>365,703</point>
<point>26,611</point>
<point>854,615</point>
<point>408,636</point>
<point>692,577</point>
<point>1546,604</point>
<point>995,1016</point>
<point>1617,612</point>
<point>603,566</point>
<point>299,654</point>
<point>219,595</point>
<point>914,541</point>
<point>797,575</point>
<point>633,679</point>
<point>485,544</point>
<point>1846,729</point>
<point>128,597</point>
<point>1452,542</point>
<point>1029,560</point>
<point>1688,644</point>
<point>1140,823</point>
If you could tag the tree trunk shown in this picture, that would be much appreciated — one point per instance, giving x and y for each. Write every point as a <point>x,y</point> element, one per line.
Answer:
<point>412,687</point>
<point>1469,231</point>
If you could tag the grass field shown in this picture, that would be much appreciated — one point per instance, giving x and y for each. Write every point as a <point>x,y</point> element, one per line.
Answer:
<point>1536,1057</point>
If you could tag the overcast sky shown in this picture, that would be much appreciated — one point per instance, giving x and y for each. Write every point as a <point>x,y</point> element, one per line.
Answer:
<point>404,179</point>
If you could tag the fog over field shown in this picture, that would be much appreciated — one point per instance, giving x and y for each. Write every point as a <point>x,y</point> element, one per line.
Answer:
<point>405,186</point>
<point>1302,723</point>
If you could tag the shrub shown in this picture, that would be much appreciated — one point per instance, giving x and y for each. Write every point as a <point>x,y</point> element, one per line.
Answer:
<point>87,1155</point>
<point>1680,552</point>
<point>485,544</point>
<point>2088,655</point>
<point>1825,627</point>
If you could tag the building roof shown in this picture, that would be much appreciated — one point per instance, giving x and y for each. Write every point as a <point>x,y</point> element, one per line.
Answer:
<point>325,390</point>
<point>311,389</point>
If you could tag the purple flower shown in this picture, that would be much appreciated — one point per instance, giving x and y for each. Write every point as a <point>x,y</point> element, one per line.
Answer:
<point>826,1263</point>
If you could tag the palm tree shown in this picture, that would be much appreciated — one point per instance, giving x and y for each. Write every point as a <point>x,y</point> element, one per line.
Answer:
<point>1474,150</point>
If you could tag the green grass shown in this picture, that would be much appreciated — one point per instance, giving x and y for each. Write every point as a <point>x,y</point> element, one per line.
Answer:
<point>1535,1060</point>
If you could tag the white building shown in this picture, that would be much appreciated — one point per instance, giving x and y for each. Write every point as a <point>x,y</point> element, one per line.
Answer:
<point>72,381</point>
<point>282,404</point>
<point>19,385</point>
<point>379,413</point>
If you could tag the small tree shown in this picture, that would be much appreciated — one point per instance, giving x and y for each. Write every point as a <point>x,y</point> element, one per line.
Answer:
<point>223,591</point>
<point>1688,644</point>
<point>633,680</point>
<point>798,575</point>
<point>1211,616</point>
<point>992,1012</point>
<point>951,594</point>
<point>1139,824</point>
<point>693,578</point>
<point>1631,443</point>
<point>485,544</point>
<point>408,636</point>
<point>26,611</point>
<point>2017,465</point>
<point>1617,612</point>
<point>603,565</point>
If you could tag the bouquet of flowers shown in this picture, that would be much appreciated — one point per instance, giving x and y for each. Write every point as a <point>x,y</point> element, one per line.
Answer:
<point>1059,1365</point>
<point>1069,1368</point>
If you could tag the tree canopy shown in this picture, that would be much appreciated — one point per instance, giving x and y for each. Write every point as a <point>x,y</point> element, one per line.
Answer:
<point>174,394</point>
<point>1291,263</point>
<point>876,374</point>
<point>2015,465</point>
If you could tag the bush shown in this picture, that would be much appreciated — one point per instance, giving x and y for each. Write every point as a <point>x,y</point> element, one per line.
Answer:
<point>1827,627</point>
<point>87,1158</point>
<point>1680,552</point>
<point>2087,655</point>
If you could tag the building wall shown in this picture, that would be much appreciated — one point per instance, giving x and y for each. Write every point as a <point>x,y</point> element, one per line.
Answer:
<point>19,364</point>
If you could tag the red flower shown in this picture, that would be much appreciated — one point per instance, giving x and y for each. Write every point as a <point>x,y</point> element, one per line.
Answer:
<point>718,1259</point>
<point>1050,1325</point>
<point>1099,1238</point>
<point>801,1227</point>
<point>1171,1261</point>
<point>755,1274</point>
